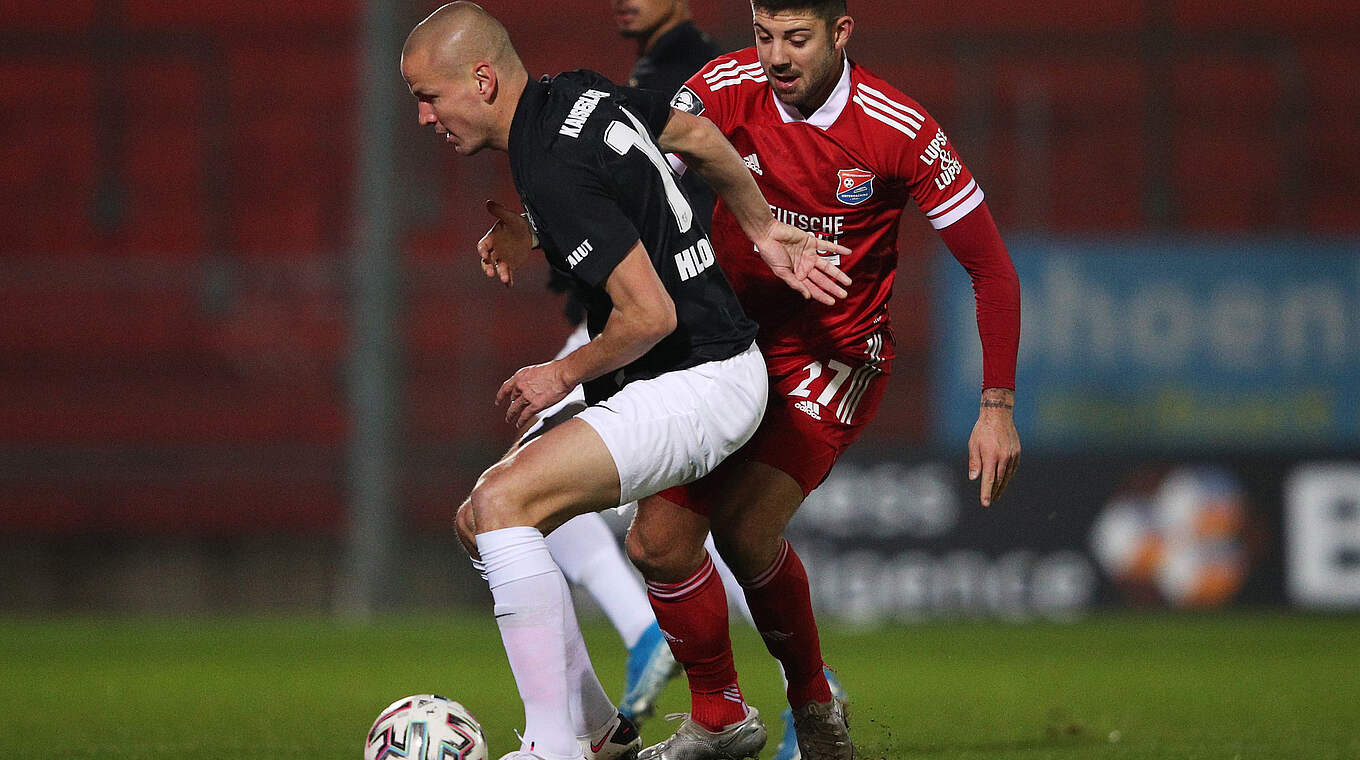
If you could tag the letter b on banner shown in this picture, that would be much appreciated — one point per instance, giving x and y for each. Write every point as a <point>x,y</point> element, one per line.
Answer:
<point>1322,519</point>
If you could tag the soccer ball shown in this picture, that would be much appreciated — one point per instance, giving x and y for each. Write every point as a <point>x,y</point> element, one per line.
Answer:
<point>426,727</point>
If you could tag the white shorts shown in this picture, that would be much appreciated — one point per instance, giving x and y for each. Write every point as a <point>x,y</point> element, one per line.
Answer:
<point>676,428</point>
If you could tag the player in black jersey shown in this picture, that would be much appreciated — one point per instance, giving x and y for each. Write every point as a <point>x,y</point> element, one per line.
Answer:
<point>673,378</point>
<point>670,50</point>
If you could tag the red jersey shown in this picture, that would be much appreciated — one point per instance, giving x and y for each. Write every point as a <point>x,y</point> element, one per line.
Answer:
<point>845,173</point>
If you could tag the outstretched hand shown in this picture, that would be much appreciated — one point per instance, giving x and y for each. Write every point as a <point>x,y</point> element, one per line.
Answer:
<point>507,245</point>
<point>796,258</point>
<point>994,446</point>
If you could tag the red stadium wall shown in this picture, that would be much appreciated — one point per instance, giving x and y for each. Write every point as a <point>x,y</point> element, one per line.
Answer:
<point>179,188</point>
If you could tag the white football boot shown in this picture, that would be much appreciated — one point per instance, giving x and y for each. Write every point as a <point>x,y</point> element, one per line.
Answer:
<point>739,741</point>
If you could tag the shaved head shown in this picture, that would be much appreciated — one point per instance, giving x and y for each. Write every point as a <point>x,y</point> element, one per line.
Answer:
<point>465,75</point>
<point>459,34</point>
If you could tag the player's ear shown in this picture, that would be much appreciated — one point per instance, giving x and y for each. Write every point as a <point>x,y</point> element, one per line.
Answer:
<point>484,74</point>
<point>840,32</point>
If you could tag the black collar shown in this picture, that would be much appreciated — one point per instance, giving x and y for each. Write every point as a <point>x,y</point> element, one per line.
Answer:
<point>530,103</point>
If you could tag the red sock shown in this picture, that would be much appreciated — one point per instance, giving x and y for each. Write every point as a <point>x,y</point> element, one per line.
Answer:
<point>781,605</point>
<point>693,617</point>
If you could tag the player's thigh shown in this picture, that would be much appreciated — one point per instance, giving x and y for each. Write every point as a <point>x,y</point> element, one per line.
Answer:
<point>565,472</point>
<point>665,540</point>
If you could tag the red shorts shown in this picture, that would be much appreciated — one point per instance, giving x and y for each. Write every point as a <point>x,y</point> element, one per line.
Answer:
<point>817,408</point>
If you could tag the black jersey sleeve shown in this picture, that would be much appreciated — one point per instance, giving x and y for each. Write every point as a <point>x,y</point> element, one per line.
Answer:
<point>582,219</point>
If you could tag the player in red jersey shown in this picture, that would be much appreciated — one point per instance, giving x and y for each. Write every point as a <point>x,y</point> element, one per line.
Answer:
<point>839,152</point>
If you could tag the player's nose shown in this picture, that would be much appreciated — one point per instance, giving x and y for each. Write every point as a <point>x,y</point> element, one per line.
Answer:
<point>778,56</point>
<point>425,114</point>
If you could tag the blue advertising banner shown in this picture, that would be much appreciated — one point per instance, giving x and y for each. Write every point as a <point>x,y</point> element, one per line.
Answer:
<point>1249,345</point>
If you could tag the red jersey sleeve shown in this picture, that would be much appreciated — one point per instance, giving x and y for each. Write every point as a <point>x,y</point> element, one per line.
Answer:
<point>976,244</point>
<point>951,199</point>
<point>709,92</point>
<point>936,177</point>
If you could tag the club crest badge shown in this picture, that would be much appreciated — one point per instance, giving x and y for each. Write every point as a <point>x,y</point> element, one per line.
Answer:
<point>854,186</point>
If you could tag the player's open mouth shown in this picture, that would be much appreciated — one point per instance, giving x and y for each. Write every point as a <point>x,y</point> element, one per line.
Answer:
<point>785,81</point>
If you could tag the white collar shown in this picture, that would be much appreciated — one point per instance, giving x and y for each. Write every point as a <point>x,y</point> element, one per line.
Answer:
<point>825,116</point>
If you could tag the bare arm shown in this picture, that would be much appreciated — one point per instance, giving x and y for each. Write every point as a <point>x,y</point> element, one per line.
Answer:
<point>704,149</point>
<point>642,316</point>
<point>792,254</point>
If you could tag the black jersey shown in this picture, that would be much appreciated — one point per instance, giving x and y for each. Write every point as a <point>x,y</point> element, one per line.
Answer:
<point>594,182</point>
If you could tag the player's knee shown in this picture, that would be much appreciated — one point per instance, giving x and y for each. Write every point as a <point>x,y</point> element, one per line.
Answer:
<point>644,554</point>
<point>496,503</point>
<point>661,555</point>
<point>466,526</point>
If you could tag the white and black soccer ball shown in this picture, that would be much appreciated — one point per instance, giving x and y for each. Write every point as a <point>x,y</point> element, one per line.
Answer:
<point>426,727</point>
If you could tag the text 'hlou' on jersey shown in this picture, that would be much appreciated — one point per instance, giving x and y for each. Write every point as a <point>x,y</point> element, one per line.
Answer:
<point>580,111</point>
<point>694,259</point>
<point>950,166</point>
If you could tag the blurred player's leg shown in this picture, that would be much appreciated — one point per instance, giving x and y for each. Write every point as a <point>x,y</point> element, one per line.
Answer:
<point>590,557</point>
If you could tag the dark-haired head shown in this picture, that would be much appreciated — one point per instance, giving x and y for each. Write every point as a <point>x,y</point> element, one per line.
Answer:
<point>801,44</point>
<point>827,10</point>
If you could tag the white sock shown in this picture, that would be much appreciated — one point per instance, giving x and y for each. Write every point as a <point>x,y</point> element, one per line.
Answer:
<point>590,557</point>
<point>591,708</point>
<point>530,595</point>
<point>736,595</point>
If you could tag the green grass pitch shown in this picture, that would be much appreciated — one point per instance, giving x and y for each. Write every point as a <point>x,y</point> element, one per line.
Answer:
<point>1229,687</point>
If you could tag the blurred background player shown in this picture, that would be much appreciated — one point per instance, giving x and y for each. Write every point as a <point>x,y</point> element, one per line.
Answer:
<point>671,49</point>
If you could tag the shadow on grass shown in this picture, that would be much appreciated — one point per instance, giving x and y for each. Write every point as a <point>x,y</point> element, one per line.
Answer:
<point>1061,734</point>
<point>898,750</point>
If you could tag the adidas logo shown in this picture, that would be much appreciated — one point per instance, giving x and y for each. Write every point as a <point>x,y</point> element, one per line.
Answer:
<point>810,409</point>
<point>753,163</point>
